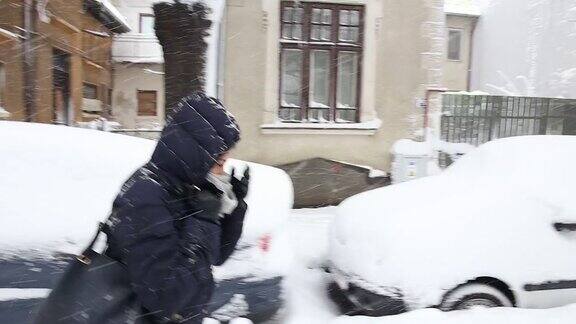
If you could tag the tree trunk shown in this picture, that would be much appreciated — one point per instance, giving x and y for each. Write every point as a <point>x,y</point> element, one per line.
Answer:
<point>181,29</point>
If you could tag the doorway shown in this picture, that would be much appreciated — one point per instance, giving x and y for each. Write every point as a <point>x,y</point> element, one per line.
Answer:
<point>62,112</point>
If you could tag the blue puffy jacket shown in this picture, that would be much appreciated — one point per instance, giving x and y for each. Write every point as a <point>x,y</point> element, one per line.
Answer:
<point>157,231</point>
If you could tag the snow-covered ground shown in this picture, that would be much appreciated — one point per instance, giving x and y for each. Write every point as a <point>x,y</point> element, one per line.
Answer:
<point>307,301</point>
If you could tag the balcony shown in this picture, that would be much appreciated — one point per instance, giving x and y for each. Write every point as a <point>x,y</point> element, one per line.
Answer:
<point>137,48</point>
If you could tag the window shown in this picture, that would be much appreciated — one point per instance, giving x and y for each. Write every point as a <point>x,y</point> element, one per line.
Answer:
<point>147,24</point>
<point>321,52</point>
<point>454,44</point>
<point>2,84</point>
<point>90,91</point>
<point>61,105</point>
<point>146,103</point>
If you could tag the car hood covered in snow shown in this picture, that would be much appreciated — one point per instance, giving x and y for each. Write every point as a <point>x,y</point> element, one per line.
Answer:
<point>490,214</point>
<point>57,182</point>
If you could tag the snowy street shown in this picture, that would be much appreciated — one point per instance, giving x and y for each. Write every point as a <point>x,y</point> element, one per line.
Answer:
<point>305,286</point>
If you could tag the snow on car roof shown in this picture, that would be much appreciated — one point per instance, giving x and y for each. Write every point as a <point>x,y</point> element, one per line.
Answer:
<point>57,182</point>
<point>489,213</point>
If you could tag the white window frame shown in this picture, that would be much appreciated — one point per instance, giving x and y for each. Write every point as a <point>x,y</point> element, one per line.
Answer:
<point>141,20</point>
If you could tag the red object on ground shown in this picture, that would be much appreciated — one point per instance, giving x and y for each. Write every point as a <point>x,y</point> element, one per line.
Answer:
<point>264,243</point>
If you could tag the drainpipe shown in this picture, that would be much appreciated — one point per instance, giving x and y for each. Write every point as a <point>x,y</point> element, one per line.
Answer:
<point>108,96</point>
<point>29,59</point>
<point>471,55</point>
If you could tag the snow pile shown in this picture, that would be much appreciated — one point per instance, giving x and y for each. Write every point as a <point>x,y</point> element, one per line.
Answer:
<point>309,232</point>
<point>306,249</point>
<point>306,297</point>
<point>57,182</point>
<point>563,315</point>
<point>9,294</point>
<point>490,214</point>
<point>4,113</point>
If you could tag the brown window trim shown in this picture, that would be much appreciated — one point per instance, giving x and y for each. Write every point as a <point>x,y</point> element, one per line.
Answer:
<point>140,20</point>
<point>334,46</point>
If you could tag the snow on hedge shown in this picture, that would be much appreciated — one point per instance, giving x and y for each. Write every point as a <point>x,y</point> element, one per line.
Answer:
<point>490,214</point>
<point>57,182</point>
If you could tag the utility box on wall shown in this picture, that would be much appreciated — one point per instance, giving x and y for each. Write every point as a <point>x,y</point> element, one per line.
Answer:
<point>411,160</point>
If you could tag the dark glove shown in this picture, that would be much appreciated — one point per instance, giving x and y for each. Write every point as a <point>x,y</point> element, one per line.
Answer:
<point>207,203</point>
<point>240,186</point>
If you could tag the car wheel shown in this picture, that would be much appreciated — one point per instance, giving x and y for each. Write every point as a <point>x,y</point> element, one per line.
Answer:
<point>474,295</point>
<point>339,299</point>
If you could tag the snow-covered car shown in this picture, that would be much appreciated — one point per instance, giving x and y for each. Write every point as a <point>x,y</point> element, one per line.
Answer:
<point>57,183</point>
<point>495,229</point>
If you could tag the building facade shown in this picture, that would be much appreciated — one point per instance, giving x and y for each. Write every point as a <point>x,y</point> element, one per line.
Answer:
<point>461,20</point>
<point>55,59</point>
<point>138,96</point>
<point>338,79</point>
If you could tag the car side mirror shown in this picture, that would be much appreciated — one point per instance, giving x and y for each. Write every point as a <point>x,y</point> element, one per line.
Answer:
<point>565,227</point>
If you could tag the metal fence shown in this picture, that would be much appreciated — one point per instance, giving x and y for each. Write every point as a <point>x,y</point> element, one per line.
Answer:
<point>477,119</point>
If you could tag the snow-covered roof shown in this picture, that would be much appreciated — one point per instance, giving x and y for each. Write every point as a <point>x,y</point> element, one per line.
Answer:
<point>105,11</point>
<point>114,12</point>
<point>461,8</point>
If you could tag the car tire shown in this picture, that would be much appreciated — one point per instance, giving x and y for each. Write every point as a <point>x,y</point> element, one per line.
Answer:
<point>473,295</point>
<point>345,307</point>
